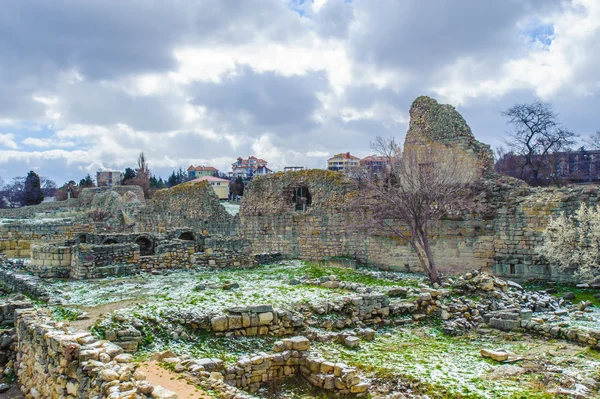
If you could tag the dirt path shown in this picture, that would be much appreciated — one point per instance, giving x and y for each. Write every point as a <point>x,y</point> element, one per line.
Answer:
<point>94,312</point>
<point>12,393</point>
<point>172,381</point>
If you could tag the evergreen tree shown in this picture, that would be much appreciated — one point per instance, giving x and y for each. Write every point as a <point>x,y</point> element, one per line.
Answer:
<point>33,190</point>
<point>129,174</point>
<point>86,181</point>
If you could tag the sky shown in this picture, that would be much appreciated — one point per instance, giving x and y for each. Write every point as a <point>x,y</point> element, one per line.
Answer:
<point>88,85</point>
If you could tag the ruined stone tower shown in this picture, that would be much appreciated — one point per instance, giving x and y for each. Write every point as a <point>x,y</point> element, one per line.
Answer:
<point>432,122</point>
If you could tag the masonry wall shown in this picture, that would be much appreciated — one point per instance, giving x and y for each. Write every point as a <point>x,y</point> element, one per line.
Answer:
<point>53,363</point>
<point>97,261</point>
<point>501,236</point>
<point>191,205</point>
<point>16,237</point>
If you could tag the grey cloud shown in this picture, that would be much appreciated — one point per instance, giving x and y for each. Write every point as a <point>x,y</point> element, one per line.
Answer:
<point>94,104</point>
<point>421,35</point>
<point>270,99</point>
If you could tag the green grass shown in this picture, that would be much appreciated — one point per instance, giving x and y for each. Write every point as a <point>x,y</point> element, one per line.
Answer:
<point>65,314</point>
<point>581,294</point>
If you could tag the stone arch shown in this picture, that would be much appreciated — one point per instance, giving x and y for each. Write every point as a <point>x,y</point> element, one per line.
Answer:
<point>146,244</point>
<point>82,238</point>
<point>187,236</point>
<point>109,241</point>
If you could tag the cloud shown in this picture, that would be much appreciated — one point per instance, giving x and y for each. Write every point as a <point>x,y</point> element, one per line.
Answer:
<point>84,86</point>
<point>7,140</point>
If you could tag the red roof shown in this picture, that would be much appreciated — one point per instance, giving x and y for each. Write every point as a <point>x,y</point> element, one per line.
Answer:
<point>345,155</point>
<point>246,162</point>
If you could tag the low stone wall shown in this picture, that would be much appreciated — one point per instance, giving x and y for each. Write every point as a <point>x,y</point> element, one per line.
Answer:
<point>50,260</point>
<point>176,254</point>
<point>290,358</point>
<point>510,320</point>
<point>256,320</point>
<point>53,363</point>
<point>16,237</point>
<point>8,334</point>
<point>24,284</point>
<point>97,261</point>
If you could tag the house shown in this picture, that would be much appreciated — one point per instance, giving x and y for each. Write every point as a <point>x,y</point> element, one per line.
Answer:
<point>342,162</point>
<point>293,168</point>
<point>580,166</point>
<point>109,178</point>
<point>374,163</point>
<point>199,171</point>
<point>220,186</point>
<point>248,168</point>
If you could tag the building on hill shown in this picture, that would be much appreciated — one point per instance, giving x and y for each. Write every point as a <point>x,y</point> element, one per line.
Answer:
<point>293,168</point>
<point>581,166</point>
<point>374,163</point>
<point>248,168</point>
<point>199,171</point>
<point>109,178</point>
<point>342,162</point>
<point>220,186</point>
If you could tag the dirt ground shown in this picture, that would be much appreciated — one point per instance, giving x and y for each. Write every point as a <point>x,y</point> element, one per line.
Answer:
<point>95,312</point>
<point>12,393</point>
<point>171,381</point>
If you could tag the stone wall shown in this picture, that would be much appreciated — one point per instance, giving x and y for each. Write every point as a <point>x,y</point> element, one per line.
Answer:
<point>191,205</point>
<point>54,363</point>
<point>24,284</point>
<point>176,254</point>
<point>17,236</point>
<point>97,261</point>
<point>50,260</point>
<point>501,236</point>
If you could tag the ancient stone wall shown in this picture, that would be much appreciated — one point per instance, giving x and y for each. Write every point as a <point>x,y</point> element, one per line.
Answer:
<point>191,205</point>
<point>502,236</point>
<point>54,363</point>
<point>17,236</point>
<point>50,260</point>
<point>177,254</point>
<point>96,261</point>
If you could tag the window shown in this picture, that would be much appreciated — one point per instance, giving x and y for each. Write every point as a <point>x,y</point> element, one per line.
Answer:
<point>301,199</point>
<point>512,269</point>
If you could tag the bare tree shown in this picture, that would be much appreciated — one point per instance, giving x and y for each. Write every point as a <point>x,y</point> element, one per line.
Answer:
<point>536,133</point>
<point>142,175</point>
<point>594,141</point>
<point>409,198</point>
<point>142,172</point>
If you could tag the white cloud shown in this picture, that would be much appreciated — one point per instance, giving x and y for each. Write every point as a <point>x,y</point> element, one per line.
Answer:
<point>206,85</point>
<point>7,140</point>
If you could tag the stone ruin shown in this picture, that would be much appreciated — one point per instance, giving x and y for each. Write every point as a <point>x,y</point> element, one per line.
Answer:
<point>112,232</point>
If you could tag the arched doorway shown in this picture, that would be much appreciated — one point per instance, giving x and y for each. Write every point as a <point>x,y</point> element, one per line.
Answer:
<point>146,246</point>
<point>187,236</point>
<point>109,241</point>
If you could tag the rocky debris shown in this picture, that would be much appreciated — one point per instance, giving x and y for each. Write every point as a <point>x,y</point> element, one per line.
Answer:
<point>290,357</point>
<point>162,393</point>
<point>500,304</point>
<point>352,342</point>
<point>499,355</point>
<point>4,387</point>
<point>333,282</point>
<point>569,295</point>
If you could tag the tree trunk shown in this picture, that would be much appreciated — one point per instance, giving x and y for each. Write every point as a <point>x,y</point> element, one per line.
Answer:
<point>432,268</point>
